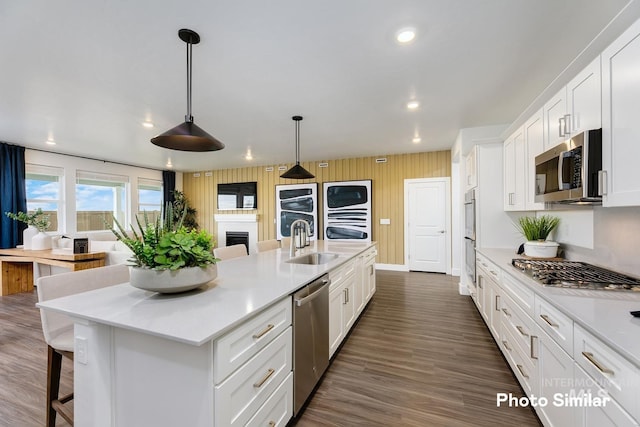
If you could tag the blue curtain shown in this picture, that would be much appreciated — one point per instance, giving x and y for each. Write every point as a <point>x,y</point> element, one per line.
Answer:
<point>168,187</point>
<point>13,196</point>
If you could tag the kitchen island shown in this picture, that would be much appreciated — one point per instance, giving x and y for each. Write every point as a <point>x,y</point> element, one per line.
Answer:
<point>143,358</point>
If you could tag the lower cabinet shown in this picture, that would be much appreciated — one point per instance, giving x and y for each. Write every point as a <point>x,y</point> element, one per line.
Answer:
<point>561,367</point>
<point>352,286</point>
<point>555,372</point>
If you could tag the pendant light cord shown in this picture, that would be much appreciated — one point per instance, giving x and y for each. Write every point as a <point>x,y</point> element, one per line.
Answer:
<point>189,117</point>
<point>297,142</point>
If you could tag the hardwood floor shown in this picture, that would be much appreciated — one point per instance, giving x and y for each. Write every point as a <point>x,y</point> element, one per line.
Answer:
<point>419,356</point>
<point>23,364</point>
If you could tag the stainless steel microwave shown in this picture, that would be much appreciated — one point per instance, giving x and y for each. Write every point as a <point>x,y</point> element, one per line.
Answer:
<point>572,171</point>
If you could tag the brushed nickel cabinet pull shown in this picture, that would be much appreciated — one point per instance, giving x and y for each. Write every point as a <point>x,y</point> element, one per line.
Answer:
<point>560,126</point>
<point>505,311</point>
<point>534,353</point>
<point>344,297</point>
<point>480,281</point>
<point>272,424</point>
<point>594,362</point>
<point>506,345</point>
<point>264,331</point>
<point>549,322</point>
<point>497,302</point>
<point>522,371</point>
<point>567,124</point>
<point>521,330</point>
<point>265,378</point>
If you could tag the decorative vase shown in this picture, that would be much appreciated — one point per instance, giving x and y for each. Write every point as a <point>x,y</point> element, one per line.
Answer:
<point>170,282</point>
<point>27,235</point>
<point>41,241</point>
<point>541,249</point>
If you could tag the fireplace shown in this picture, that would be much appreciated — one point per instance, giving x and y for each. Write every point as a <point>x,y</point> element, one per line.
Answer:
<point>235,223</point>
<point>237,238</point>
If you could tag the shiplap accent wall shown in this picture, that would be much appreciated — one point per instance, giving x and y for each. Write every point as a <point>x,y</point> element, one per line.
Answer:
<point>387,192</point>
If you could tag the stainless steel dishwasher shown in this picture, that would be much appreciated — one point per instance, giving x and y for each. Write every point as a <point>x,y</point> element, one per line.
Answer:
<point>310,338</point>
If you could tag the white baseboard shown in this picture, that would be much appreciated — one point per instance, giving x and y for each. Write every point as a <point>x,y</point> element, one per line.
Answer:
<point>462,289</point>
<point>392,267</point>
<point>455,272</point>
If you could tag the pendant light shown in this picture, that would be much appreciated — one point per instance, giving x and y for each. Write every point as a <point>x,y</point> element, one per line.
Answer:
<point>297,172</point>
<point>187,136</point>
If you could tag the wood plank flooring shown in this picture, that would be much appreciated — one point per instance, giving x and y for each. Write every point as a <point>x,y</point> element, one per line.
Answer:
<point>419,356</point>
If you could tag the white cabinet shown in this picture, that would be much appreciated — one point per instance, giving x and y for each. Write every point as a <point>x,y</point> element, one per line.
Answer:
<point>534,145</point>
<point>584,101</point>
<point>514,172</point>
<point>620,124</point>
<point>575,108</point>
<point>555,371</point>
<point>352,286</point>
<point>611,414</point>
<point>471,169</point>
<point>555,123</point>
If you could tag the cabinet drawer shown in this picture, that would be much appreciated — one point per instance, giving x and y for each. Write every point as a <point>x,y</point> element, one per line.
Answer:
<point>240,396</point>
<point>610,370</point>
<point>609,415</point>
<point>338,275</point>
<point>278,409</point>
<point>558,326</point>
<point>520,325</point>
<point>240,344</point>
<point>489,267</point>
<point>521,364</point>
<point>520,294</point>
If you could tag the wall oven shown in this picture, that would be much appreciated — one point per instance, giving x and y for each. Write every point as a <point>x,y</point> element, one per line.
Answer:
<point>470,233</point>
<point>572,171</point>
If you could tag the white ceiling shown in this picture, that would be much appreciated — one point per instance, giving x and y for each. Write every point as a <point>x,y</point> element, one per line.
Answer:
<point>88,73</point>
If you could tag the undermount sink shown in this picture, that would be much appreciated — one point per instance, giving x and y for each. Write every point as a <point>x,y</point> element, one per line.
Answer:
<point>315,258</point>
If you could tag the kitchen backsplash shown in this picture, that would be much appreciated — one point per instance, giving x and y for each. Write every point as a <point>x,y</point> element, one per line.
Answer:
<point>616,238</point>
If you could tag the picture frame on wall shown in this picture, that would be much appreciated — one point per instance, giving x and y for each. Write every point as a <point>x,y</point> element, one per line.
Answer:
<point>347,210</point>
<point>296,201</point>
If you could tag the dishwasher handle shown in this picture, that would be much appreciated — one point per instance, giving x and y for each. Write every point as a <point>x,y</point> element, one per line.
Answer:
<point>317,288</point>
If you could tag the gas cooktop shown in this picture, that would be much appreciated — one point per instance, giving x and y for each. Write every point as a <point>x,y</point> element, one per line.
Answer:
<point>576,275</point>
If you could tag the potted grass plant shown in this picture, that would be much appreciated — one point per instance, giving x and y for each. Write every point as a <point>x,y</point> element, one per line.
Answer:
<point>536,230</point>
<point>34,236</point>
<point>167,256</point>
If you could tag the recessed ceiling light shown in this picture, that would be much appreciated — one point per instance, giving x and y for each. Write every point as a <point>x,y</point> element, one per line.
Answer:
<point>412,105</point>
<point>169,164</point>
<point>50,141</point>
<point>248,156</point>
<point>416,140</point>
<point>406,35</point>
<point>148,124</point>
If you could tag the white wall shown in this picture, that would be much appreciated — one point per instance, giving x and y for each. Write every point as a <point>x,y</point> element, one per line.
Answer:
<point>616,238</point>
<point>70,164</point>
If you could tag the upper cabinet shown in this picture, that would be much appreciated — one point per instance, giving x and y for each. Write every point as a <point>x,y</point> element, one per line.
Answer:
<point>514,172</point>
<point>575,108</point>
<point>620,119</point>
<point>471,168</point>
<point>534,145</point>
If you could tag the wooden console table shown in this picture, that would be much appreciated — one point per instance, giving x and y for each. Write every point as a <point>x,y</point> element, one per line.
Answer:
<point>16,265</point>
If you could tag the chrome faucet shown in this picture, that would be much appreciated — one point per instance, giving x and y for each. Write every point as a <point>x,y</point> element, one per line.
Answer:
<point>293,246</point>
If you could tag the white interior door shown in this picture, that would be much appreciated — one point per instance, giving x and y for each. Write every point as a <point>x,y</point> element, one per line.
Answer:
<point>427,215</point>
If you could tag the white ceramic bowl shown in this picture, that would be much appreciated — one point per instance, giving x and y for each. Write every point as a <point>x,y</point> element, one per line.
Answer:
<point>544,249</point>
<point>170,282</point>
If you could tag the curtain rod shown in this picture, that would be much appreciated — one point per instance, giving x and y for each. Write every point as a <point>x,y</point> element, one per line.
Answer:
<point>91,158</point>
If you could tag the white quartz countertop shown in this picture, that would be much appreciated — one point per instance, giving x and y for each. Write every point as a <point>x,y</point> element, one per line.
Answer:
<point>244,286</point>
<point>603,313</point>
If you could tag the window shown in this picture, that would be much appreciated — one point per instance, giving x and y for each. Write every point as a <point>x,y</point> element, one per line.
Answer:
<point>149,198</point>
<point>44,191</point>
<point>99,199</point>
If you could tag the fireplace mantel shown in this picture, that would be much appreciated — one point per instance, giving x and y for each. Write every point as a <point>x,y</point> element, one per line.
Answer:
<point>237,222</point>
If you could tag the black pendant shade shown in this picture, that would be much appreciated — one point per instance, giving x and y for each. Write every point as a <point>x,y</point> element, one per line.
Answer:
<point>297,171</point>
<point>188,136</point>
